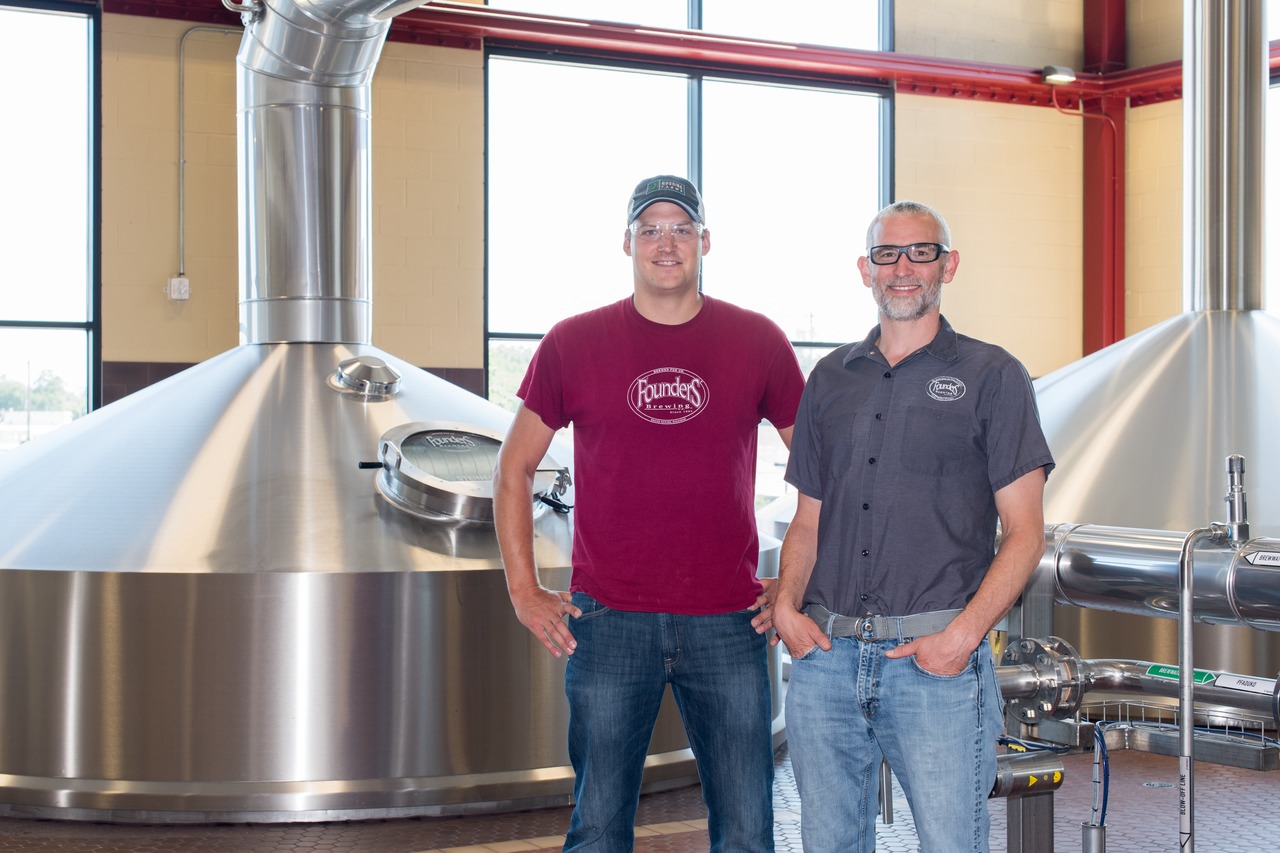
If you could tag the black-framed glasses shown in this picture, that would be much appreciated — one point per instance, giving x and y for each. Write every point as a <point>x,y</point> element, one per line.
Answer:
<point>917,253</point>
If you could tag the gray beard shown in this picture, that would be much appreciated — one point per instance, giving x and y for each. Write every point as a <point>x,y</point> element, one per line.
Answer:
<point>927,300</point>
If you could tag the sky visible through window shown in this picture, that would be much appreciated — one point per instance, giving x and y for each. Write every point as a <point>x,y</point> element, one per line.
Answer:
<point>44,220</point>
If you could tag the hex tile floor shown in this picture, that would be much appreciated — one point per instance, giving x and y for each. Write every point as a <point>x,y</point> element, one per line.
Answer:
<point>1235,812</point>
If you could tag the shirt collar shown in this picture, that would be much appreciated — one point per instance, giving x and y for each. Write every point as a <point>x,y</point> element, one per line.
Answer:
<point>942,347</point>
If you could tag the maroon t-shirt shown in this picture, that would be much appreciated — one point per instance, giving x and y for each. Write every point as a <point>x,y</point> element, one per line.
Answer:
<point>664,445</point>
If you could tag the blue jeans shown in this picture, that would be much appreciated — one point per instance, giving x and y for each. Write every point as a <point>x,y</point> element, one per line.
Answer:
<point>851,706</point>
<point>717,667</point>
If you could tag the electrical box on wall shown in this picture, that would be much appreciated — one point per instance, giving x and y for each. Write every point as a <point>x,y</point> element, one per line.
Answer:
<point>178,289</point>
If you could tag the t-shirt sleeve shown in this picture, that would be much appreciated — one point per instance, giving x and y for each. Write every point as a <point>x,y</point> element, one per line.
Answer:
<point>785,383</point>
<point>541,388</point>
<point>1015,442</point>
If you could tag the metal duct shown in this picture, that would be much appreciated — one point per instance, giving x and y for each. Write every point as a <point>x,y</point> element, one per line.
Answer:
<point>304,82</point>
<point>209,608</point>
<point>1140,428</point>
<point>1224,90</point>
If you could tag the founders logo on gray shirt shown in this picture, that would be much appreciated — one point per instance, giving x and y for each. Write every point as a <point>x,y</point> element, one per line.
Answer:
<point>668,395</point>
<point>945,389</point>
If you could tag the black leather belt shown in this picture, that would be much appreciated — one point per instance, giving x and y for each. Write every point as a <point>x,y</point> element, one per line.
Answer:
<point>880,627</point>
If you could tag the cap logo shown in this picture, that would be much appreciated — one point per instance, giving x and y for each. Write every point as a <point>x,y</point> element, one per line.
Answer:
<point>668,395</point>
<point>946,389</point>
<point>675,186</point>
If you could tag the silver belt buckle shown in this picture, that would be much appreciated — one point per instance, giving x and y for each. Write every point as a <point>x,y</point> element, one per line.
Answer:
<point>865,628</point>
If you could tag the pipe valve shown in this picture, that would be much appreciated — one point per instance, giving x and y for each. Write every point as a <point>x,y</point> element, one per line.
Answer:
<point>1237,511</point>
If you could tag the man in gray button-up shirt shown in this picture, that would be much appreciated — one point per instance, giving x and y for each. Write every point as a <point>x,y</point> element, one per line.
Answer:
<point>908,447</point>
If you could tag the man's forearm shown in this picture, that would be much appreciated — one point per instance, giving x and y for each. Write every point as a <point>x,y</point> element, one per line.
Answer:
<point>1012,567</point>
<point>799,553</point>
<point>513,520</point>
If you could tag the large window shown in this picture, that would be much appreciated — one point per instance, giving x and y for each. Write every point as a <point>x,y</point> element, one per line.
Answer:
<point>47,255</point>
<point>836,23</point>
<point>791,174</point>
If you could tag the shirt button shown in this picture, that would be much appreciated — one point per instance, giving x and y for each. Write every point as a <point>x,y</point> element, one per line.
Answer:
<point>866,506</point>
<point>866,553</point>
<point>871,461</point>
<point>877,416</point>
<point>888,375</point>
<point>864,597</point>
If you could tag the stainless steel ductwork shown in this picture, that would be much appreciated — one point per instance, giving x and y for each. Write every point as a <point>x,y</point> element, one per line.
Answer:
<point>210,609</point>
<point>1140,429</point>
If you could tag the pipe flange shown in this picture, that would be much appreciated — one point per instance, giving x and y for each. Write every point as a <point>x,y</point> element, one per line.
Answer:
<point>1057,669</point>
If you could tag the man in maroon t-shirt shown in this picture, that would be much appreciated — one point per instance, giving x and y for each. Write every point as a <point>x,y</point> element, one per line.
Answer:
<point>665,391</point>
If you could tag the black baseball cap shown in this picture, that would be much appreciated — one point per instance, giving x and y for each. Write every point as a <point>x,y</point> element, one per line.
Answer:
<point>665,188</point>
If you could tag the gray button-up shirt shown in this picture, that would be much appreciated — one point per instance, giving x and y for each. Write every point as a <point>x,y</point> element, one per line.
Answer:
<point>906,461</point>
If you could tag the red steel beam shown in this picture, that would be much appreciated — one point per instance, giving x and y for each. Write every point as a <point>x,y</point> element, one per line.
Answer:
<point>1103,250</point>
<point>467,26</point>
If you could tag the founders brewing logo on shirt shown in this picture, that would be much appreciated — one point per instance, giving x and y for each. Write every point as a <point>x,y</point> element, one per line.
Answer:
<point>668,395</point>
<point>946,388</point>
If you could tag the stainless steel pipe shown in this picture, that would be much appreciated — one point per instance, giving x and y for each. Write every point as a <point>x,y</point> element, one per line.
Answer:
<point>1045,689</point>
<point>1132,570</point>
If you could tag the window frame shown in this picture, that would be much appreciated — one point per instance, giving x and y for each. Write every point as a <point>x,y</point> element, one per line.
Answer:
<point>696,75</point>
<point>92,326</point>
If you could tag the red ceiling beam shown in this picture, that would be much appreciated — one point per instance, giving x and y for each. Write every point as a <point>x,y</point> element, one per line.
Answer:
<point>467,26</point>
<point>203,12</point>
<point>913,74</point>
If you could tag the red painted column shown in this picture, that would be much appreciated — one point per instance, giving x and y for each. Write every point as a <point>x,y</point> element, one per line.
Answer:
<point>1104,169</point>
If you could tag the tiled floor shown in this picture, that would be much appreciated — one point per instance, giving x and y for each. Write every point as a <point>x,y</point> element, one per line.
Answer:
<point>1236,812</point>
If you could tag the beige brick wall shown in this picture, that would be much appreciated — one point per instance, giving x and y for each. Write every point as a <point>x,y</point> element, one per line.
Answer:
<point>1153,237</point>
<point>1033,33</point>
<point>140,191</point>
<point>1155,31</point>
<point>428,199</point>
<point>1008,180</point>
<point>1153,191</point>
<point>428,191</point>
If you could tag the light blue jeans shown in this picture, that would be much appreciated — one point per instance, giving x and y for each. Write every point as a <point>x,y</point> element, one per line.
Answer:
<point>717,667</point>
<point>851,706</point>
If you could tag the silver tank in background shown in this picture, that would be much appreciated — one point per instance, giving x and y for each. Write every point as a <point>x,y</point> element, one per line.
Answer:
<point>1140,429</point>
<point>208,609</point>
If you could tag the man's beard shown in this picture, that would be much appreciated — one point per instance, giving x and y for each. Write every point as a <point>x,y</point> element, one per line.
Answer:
<point>898,308</point>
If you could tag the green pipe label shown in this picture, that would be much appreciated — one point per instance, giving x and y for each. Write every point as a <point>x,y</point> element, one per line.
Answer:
<point>1158,670</point>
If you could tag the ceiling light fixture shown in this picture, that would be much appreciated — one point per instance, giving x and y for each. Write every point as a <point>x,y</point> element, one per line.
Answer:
<point>1057,75</point>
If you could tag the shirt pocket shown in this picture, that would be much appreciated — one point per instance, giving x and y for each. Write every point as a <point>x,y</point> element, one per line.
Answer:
<point>935,442</point>
<point>839,430</point>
